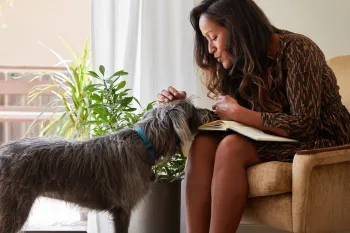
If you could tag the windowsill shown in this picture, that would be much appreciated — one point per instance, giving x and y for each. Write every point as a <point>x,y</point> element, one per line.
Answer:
<point>17,116</point>
<point>54,215</point>
<point>71,227</point>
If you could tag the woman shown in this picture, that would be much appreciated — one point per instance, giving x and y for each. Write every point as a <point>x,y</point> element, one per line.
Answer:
<point>271,79</point>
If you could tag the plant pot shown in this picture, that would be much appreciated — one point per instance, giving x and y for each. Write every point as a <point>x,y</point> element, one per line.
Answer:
<point>159,212</point>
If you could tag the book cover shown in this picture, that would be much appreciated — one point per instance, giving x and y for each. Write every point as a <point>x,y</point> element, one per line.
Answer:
<point>242,129</point>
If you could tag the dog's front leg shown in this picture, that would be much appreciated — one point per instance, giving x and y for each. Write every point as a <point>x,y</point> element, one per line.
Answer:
<point>121,220</point>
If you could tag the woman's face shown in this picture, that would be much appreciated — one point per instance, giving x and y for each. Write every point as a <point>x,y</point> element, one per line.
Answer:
<point>217,37</point>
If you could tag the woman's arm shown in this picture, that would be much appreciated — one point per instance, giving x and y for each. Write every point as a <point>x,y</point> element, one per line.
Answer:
<point>304,64</point>
<point>252,118</point>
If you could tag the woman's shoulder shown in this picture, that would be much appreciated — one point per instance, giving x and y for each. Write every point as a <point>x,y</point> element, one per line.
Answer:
<point>289,35</point>
<point>296,39</point>
<point>294,45</point>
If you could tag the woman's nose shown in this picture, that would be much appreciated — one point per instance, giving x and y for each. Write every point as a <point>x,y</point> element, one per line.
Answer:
<point>211,47</point>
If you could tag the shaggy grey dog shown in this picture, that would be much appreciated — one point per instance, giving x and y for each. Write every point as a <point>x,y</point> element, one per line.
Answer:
<point>110,173</point>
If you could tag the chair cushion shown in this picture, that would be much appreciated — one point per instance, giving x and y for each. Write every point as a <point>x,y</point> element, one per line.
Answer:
<point>269,178</point>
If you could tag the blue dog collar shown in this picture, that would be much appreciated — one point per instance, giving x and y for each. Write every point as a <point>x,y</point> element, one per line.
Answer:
<point>147,142</point>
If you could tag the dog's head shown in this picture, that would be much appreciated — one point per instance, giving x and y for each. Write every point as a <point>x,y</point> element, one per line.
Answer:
<point>186,117</point>
<point>175,123</point>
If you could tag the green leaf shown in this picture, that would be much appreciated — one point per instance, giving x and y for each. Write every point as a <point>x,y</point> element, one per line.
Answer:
<point>137,101</point>
<point>97,106</point>
<point>150,106</point>
<point>96,98</point>
<point>109,81</point>
<point>119,73</point>
<point>123,94</point>
<point>102,70</point>
<point>120,85</point>
<point>130,109</point>
<point>102,116</point>
<point>93,88</point>
<point>126,90</point>
<point>94,74</point>
<point>127,101</point>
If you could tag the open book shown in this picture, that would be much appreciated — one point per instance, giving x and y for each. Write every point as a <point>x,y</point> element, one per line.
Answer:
<point>245,130</point>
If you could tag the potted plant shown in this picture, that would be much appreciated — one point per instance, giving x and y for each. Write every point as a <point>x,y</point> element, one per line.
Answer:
<point>88,104</point>
<point>160,210</point>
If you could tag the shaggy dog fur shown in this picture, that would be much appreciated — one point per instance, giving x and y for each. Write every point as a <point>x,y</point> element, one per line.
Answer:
<point>110,173</point>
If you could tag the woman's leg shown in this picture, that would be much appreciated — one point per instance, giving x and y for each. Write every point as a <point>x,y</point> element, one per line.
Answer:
<point>229,185</point>
<point>199,173</point>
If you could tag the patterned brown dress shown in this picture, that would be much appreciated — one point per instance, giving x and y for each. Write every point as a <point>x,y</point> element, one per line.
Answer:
<point>307,89</point>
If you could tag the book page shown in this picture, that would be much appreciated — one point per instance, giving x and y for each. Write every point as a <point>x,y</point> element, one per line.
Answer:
<point>242,129</point>
<point>254,133</point>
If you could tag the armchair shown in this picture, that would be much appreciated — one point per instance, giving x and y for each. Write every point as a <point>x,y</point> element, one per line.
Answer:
<point>312,194</point>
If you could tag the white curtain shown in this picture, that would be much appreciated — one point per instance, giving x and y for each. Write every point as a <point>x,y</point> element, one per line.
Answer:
<point>150,39</point>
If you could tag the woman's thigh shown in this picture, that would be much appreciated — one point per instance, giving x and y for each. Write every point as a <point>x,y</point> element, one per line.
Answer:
<point>204,145</point>
<point>217,145</point>
<point>237,148</point>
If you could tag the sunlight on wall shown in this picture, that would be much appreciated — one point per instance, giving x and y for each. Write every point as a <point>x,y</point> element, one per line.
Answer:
<point>25,23</point>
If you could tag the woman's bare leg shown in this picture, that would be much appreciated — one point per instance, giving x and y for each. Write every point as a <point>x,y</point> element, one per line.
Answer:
<point>199,173</point>
<point>229,185</point>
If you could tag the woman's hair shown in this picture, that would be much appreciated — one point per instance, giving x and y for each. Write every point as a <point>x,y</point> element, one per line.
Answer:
<point>248,43</point>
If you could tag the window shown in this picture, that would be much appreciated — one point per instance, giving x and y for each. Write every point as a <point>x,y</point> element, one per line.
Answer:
<point>23,24</point>
<point>15,118</point>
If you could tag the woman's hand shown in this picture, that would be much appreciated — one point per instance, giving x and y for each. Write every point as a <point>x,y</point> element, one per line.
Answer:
<point>170,94</point>
<point>227,108</point>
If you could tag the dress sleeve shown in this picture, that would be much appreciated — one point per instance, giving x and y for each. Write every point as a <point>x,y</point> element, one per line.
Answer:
<point>304,63</point>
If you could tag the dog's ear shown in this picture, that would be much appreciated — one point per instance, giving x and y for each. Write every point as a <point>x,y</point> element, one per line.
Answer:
<point>180,124</point>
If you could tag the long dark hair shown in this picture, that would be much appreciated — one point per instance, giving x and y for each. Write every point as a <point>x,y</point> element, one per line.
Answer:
<point>248,43</point>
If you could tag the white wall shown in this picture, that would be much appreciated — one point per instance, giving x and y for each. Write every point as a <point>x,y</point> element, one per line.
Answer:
<point>30,21</point>
<point>324,21</point>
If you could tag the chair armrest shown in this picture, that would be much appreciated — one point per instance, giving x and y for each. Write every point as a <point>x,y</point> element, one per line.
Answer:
<point>307,159</point>
<point>327,149</point>
<point>303,164</point>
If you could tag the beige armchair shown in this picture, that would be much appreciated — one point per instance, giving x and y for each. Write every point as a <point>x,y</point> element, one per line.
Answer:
<point>312,194</point>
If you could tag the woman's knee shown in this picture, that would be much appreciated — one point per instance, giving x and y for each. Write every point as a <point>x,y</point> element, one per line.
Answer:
<point>238,148</point>
<point>204,146</point>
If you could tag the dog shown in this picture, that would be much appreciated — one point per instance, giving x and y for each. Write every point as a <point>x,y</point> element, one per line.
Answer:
<point>109,173</point>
